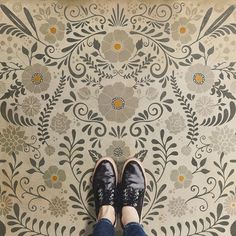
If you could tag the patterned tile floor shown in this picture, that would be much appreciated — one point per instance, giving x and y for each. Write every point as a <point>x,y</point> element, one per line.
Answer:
<point>84,79</point>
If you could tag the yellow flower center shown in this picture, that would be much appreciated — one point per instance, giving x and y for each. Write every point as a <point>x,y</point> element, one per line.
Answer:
<point>53,30</point>
<point>182,30</point>
<point>199,78</point>
<point>118,103</point>
<point>54,178</point>
<point>117,46</point>
<point>37,78</point>
<point>233,205</point>
<point>181,178</point>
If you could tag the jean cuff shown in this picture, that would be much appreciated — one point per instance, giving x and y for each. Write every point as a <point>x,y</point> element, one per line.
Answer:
<point>105,220</point>
<point>132,223</point>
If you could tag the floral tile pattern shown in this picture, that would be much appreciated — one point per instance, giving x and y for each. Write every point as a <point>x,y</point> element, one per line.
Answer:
<point>154,80</point>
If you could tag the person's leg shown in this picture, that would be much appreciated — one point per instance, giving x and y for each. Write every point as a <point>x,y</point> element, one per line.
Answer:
<point>133,187</point>
<point>104,227</point>
<point>133,229</point>
<point>105,195</point>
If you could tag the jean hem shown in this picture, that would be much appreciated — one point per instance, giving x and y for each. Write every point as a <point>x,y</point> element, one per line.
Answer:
<point>132,223</point>
<point>105,220</point>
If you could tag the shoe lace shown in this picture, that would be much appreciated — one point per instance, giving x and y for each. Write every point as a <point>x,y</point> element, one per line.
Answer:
<point>106,196</point>
<point>131,196</point>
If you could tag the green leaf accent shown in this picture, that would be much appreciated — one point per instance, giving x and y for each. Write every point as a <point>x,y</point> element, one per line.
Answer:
<point>30,20</point>
<point>14,118</point>
<point>201,47</point>
<point>25,51</point>
<point>72,150</point>
<point>14,90</point>
<point>210,227</point>
<point>96,44</point>
<point>118,17</point>
<point>139,44</point>
<point>95,155</point>
<point>11,30</point>
<point>2,228</point>
<point>15,20</point>
<point>224,173</point>
<point>45,114</point>
<point>220,20</point>
<point>205,19</point>
<point>141,155</point>
<point>25,225</point>
<point>190,114</point>
<point>210,51</point>
<point>221,118</point>
<point>225,29</point>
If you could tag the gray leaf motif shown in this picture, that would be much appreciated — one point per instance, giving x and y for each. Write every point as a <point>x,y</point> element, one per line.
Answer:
<point>221,118</point>
<point>2,229</point>
<point>233,229</point>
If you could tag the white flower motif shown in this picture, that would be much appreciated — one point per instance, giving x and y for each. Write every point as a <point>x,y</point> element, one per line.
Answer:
<point>5,204</point>
<point>117,103</point>
<point>183,30</point>
<point>182,177</point>
<point>186,150</point>
<point>230,205</point>
<point>151,93</point>
<point>199,78</point>
<point>223,140</point>
<point>31,106</point>
<point>177,207</point>
<point>58,206</point>
<point>204,106</point>
<point>53,177</point>
<point>36,78</point>
<point>60,123</point>
<point>53,30</point>
<point>118,150</point>
<point>117,46</point>
<point>175,123</point>
<point>84,93</point>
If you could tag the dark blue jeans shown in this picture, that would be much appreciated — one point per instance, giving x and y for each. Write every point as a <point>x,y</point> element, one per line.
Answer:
<point>104,227</point>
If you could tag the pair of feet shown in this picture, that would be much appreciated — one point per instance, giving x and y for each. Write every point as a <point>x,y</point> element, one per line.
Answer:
<point>125,197</point>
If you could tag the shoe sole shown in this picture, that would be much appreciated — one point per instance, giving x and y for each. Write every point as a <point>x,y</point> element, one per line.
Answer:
<point>145,179</point>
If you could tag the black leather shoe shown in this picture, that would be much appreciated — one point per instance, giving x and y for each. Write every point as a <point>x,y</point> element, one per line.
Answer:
<point>104,181</point>
<point>132,186</point>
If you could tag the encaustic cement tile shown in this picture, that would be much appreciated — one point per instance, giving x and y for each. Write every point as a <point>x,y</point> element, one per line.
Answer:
<point>154,80</point>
